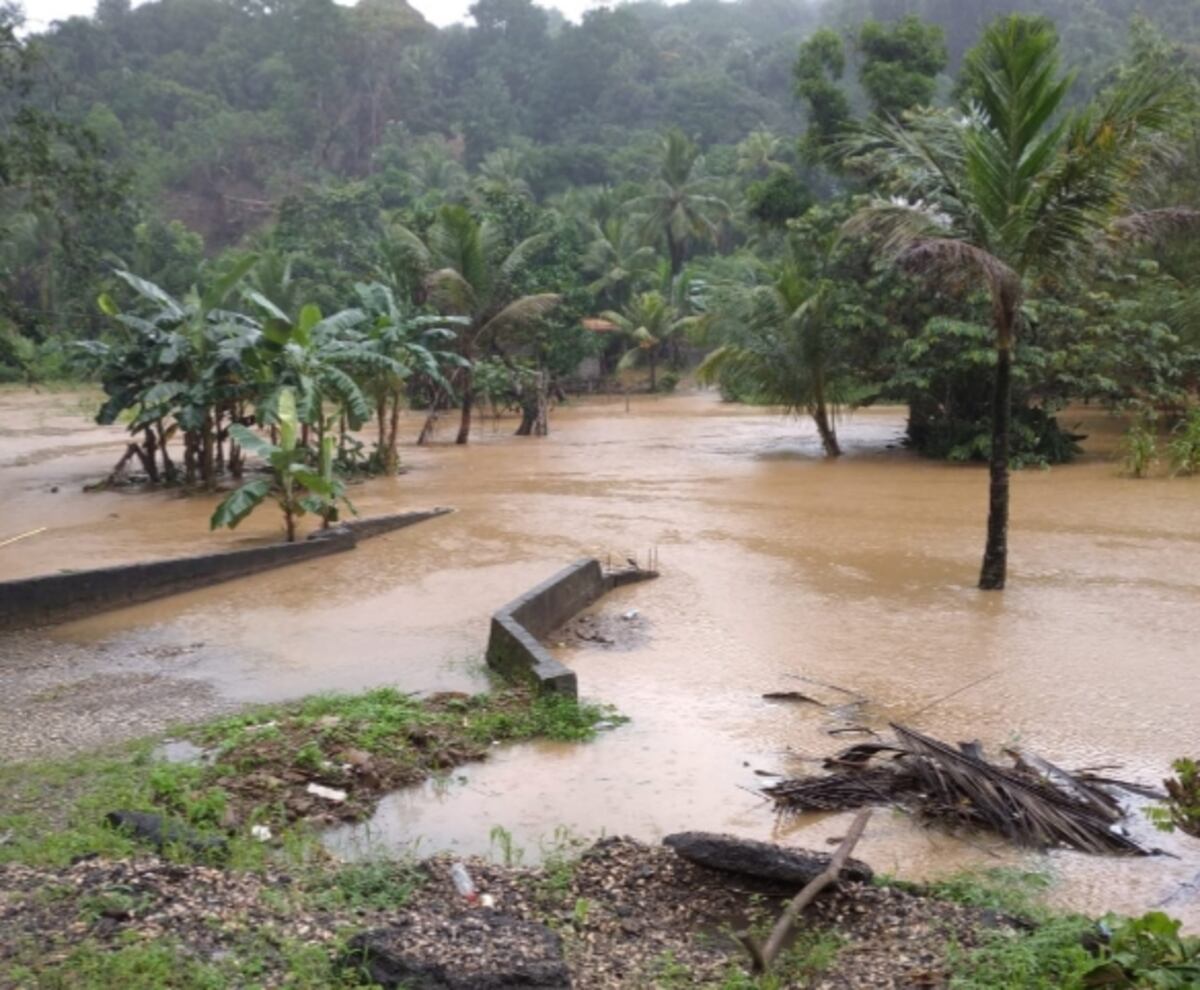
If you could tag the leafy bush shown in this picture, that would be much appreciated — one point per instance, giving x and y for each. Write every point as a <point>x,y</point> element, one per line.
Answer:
<point>1139,447</point>
<point>1182,808</point>
<point>1184,447</point>
<point>1147,952</point>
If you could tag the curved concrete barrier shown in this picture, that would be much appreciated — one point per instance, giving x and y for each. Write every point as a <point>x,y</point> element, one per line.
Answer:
<point>513,648</point>
<point>74,594</point>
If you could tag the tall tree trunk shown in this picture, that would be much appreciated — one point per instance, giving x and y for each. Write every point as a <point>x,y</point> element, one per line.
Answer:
<point>468,402</point>
<point>820,415</point>
<point>220,440</point>
<point>825,428</point>
<point>994,572</point>
<point>150,459</point>
<point>394,433</point>
<point>541,423</point>
<point>677,250</point>
<point>189,457</point>
<point>170,472</point>
<point>208,472</point>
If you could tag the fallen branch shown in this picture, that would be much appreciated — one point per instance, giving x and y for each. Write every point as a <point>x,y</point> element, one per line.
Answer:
<point>762,956</point>
<point>22,536</point>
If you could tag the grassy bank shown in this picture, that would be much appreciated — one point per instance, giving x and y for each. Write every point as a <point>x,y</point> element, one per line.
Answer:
<point>255,769</point>
<point>86,905</point>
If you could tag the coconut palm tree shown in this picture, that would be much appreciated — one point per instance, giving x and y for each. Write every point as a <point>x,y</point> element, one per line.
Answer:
<point>679,207</point>
<point>467,270</point>
<point>651,324</point>
<point>758,154</point>
<point>1015,191</point>
<point>617,260</point>
<point>785,350</point>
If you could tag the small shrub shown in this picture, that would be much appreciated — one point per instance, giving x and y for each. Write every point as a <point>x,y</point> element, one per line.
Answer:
<point>1139,447</point>
<point>1182,808</point>
<point>1183,450</point>
<point>1147,952</point>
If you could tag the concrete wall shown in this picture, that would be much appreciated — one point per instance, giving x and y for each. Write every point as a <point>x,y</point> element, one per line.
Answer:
<point>513,647</point>
<point>364,529</point>
<point>58,597</point>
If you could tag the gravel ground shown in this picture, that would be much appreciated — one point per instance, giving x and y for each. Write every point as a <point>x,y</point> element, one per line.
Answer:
<point>644,907</point>
<point>62,699</point>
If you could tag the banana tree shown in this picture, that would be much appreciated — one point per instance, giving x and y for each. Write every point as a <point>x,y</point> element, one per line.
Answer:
<point>315,356</point>
<point>294,486</point>
<point>397,345</point>
<point>176,369</point>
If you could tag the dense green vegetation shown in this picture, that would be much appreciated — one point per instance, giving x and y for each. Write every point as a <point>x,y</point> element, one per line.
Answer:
<point>838,204</point>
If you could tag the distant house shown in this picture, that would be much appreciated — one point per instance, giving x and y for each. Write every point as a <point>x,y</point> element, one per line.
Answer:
<point>592,369</point>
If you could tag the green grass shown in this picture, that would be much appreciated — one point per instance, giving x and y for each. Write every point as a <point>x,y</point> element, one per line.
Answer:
<point>1048,956</point>
<point>166,965</point>
<point>53,812</point>
<point>807,958</point>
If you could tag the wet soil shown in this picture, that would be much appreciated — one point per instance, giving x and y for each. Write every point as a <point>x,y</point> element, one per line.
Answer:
<point>629,915</point>
<point>777,565</point>
<point>63,698</point>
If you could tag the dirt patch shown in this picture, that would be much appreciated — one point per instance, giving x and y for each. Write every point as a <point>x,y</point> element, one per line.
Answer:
<point>627,915</point>
<point>62,699</point>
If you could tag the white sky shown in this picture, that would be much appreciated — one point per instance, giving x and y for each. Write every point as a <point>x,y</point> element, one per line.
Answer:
<point>39,13</point>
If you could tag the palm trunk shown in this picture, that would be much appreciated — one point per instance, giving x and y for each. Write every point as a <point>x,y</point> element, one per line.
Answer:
<point>995,557</point>
<point>820,415</point>
<point>677,250</point>
<point>825,428</point>
<point>468,402</point>
<point>653,369</point>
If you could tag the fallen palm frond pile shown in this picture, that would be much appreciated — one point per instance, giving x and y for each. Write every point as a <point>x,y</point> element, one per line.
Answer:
<point>1032,803</point>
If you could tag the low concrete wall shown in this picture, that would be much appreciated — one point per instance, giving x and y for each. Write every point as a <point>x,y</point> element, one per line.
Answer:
<point>364,529</point>
<point>513,647</point>
<point>58,597</point>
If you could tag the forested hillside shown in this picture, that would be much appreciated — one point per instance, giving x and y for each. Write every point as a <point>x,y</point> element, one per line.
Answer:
<point>658,170</point>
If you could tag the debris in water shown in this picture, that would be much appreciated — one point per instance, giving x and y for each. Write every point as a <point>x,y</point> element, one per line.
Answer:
<point>1032,803</point>
<point>633,613</point>
<point>792,696</point>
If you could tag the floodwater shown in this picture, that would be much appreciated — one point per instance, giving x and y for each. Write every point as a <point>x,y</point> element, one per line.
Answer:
<point>780,571</point>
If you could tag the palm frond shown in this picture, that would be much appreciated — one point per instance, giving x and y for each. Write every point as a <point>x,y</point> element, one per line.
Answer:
<point>518,313</point>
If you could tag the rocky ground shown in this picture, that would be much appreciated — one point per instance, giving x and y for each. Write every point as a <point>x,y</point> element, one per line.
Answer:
<point>621,915</point>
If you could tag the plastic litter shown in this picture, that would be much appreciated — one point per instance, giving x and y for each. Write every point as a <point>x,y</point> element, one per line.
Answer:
<point>464,884</point>
<point>328,793</point>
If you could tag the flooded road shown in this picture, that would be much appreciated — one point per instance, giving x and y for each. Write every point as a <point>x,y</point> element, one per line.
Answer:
<point>776,566</point>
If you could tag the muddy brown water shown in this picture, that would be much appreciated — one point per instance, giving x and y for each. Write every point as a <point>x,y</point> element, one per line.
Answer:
<point>777,566</point>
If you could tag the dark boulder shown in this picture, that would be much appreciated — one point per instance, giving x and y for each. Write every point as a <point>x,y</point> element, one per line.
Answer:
<point>764,860</point>
<point>159,832</point>
<point>475,950</point>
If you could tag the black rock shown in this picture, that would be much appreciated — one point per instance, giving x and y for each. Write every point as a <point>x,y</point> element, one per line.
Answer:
<point>159,832</point>
<point>759,859</point>
<point>477,950</point>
